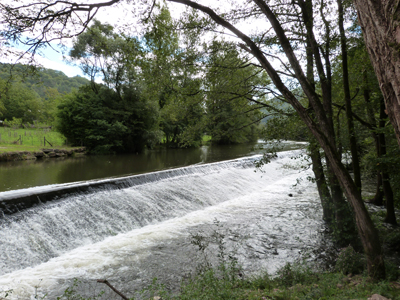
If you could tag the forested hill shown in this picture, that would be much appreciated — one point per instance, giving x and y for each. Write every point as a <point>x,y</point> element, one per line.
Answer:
<point>42,79</point>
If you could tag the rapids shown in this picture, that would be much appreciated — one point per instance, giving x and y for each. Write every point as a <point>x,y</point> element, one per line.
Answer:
<point>133,234</point>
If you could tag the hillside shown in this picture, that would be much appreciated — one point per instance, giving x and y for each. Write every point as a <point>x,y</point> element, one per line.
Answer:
<point>42,79</point>
<point>32,95</point>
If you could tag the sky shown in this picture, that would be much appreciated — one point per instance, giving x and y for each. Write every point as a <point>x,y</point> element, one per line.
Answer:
<point>50,58</point>
<point>120,15</point>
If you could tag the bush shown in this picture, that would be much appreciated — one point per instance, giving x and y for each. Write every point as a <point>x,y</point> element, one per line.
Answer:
<point>107,122</point>
<point>349,261</point>
<point>292,274</point>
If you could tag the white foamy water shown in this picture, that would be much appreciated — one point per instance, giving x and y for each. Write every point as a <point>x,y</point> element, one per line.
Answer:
<point>132,235</point>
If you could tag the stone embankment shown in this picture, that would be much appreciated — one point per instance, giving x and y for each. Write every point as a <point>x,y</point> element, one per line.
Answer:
<point>44,153</point>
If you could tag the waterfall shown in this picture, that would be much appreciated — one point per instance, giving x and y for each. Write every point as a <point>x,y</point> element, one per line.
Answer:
<point>134,228</point>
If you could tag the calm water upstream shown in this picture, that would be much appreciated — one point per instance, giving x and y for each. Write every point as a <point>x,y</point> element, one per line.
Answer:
<point>131,235</point>
<point>24,174</point>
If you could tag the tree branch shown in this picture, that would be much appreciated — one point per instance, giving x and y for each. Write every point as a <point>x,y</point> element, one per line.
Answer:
<point>113,288</point>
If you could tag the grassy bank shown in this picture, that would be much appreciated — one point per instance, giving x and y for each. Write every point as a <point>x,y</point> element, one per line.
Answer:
<point>30,137</point>
<point>292,282</point>
<point>223,283</point>
<point>30,140</point>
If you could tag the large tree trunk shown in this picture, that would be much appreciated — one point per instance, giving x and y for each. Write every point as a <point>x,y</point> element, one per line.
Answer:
<point>380,23</point>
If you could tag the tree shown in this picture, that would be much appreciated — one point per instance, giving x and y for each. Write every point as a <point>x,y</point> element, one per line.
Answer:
<point>169,68</point>
<point>347,98</point>
<point>320,125</point>
<point>101,52</point>
<point>380,24</point>
<point>316,113</point>
<point>106,123</point>
<point>19,102</point>
<point>367,101</point>
<point>231,83</point>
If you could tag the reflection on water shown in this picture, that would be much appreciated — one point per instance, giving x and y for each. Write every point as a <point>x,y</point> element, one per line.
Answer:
<point>24,174</point>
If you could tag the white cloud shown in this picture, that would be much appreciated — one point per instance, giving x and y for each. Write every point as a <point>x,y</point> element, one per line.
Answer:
<point>68,70</point>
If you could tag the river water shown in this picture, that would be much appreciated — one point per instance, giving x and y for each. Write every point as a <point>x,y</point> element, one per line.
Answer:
<point>25,174</point>
<point>132,235</point>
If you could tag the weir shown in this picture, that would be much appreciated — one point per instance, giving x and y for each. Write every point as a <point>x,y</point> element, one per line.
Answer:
<point>132,229</point>
<point>17,200</point>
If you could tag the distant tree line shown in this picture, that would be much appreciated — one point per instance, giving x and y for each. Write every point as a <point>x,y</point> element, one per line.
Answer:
<point>163,88</point>
<point>32,95</point>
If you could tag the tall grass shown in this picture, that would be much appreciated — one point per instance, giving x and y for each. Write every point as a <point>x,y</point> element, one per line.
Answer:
<point>31,137</point>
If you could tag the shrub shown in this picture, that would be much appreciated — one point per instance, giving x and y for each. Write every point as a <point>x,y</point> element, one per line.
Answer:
<point>349,261</point>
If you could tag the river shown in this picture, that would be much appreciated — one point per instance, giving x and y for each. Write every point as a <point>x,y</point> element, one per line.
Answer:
<point>30,173</point>
<point>130,236</point>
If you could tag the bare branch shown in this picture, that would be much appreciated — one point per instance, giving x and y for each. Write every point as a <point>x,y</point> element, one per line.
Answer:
<point>113,288</point>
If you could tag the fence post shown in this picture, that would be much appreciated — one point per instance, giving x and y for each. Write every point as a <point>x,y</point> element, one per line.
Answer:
<point>44,144</point>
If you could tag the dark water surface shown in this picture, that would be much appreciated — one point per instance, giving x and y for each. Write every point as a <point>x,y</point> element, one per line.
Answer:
<point>25,174</point>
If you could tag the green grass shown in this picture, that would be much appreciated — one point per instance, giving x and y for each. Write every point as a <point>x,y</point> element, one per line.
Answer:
<point>293,282</point>
<point>298,283</point>
<point>29,138</point>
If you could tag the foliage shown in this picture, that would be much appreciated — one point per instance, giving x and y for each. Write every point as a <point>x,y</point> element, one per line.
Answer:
<point>101,52</point>
<point>19,102</point>
<point>349,261</point>
<point>41,79</point>
<point>314,285</point>
<point>231,83</point>
<point>14,123</point>
<point>366,101</point>
<point>105,122</point>
<point>285,127</point>
<point>33,95</point>
<point>165,63</point>
<point>170,73</point>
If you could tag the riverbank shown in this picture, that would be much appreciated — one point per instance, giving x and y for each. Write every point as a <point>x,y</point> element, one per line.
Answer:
<point>23,152</point>
<point>293,283</point>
